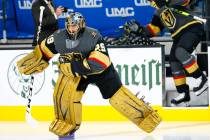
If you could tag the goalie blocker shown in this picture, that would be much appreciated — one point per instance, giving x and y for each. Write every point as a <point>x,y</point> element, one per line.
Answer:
<point>86,62</point>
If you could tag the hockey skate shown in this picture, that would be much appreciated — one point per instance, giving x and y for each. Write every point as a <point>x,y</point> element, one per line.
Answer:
<point>202,86</point>
<point>181,98</point>
<point>68,137</point>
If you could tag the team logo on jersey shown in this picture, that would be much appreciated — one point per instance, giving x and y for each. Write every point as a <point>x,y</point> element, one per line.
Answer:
<point>21,83</point>
<point>168,18</point>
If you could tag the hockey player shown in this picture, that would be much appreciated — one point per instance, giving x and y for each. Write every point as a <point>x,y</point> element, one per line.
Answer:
<point>45,17</point>
<point>186,31</point>
<point>83,60</point>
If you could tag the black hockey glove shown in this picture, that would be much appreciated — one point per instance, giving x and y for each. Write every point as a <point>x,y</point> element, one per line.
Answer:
<point>133,26</point>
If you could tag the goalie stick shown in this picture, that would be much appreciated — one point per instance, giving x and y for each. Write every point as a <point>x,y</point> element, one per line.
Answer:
<point>40,22</point>
<point>29,119</point>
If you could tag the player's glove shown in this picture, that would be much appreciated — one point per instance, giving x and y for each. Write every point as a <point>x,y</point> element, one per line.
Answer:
<point>65,62</point>
<point>133,26</point>
<point>68,57</point>
<point>32,63</point>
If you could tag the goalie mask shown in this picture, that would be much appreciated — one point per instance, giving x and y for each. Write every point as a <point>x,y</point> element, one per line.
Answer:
<point>75,25</point>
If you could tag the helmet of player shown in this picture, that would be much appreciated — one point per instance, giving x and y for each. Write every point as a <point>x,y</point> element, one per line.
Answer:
<point>75,25</point>
<point>159,3</point>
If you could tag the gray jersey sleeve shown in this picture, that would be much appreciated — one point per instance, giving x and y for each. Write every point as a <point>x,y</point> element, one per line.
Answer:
<point>98,59</point>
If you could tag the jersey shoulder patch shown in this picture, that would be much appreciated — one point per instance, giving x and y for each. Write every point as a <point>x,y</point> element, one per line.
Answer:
<point>93,32</point>
<point>168,18</point>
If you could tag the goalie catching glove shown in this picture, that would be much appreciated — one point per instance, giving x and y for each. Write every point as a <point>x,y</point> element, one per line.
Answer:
<point>32,63</point>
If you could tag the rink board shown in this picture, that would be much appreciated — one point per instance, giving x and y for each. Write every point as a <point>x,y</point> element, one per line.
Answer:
<point>140,69</point>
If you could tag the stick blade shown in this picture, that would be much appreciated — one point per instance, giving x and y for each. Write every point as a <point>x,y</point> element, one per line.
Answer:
<point>31,121</point>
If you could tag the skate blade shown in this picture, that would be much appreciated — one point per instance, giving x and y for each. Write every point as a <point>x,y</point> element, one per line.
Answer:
<point>198,94</point>
<point>184,104</point>
<point>69,137</point>
<point>173,105</point>
<point>33,123</point>
<point>187,104</point>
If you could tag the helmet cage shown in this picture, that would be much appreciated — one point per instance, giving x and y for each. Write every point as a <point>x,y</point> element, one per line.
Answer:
<point>75,19</point>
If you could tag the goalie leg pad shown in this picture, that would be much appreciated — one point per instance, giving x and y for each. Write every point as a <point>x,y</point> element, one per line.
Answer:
<point>32,63</point>
<point>68,108</point>
<point>135,109</point>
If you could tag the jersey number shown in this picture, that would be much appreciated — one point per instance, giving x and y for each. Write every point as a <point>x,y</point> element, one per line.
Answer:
<point>100,47</point>
<point>50,40</point>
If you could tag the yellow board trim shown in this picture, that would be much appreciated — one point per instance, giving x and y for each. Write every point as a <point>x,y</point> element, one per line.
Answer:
<point>104,113</point>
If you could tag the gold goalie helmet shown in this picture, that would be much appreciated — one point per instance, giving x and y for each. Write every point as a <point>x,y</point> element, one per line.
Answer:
<point>75,25</point>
